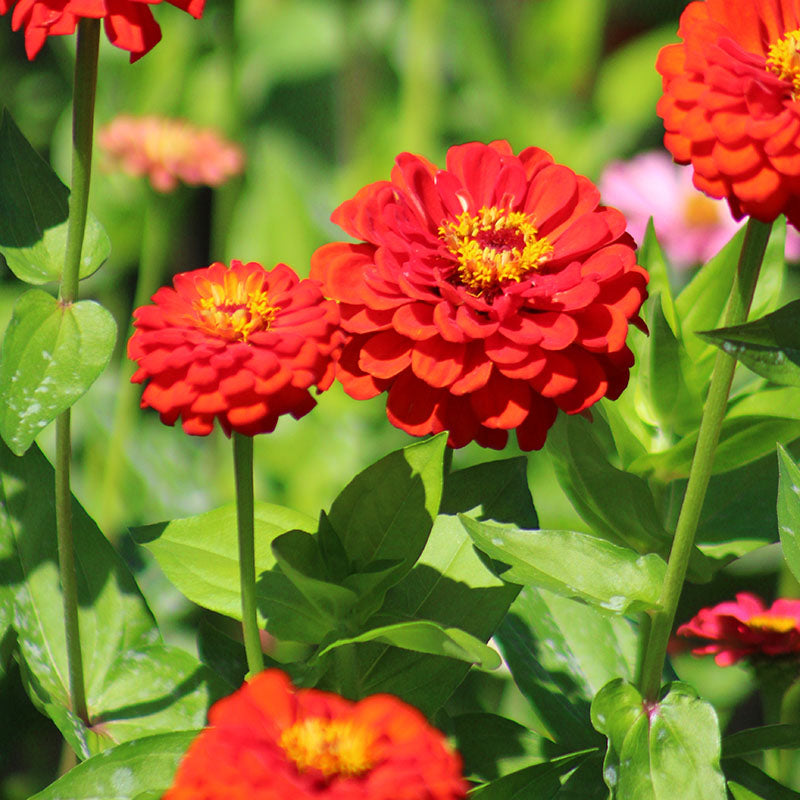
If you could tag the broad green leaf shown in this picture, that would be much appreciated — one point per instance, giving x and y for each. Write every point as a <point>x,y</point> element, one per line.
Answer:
<point>124,772</point>
<point>200,554</point>
<point>573,564</point>
<point>789,509</point>
<point>423,636</point>
<point>755,740</point>
<point>746,782</point>
<point>52,353</point>
<point>33,214</point>
<point>386,512</point>
<point>660,752</point>
<point>286,611</point>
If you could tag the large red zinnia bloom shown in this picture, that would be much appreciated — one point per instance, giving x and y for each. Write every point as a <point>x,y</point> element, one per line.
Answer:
<point>746,628</point>
<point>730,104</point>
<point>483,297</point>
<point>129,24</point>
<point>268,741</point>
<point>241,345</point>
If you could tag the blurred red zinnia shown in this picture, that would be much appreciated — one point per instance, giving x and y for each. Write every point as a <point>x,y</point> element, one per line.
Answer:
<point>241,345</point>
<point>269,741</point>
<point>129,24</point>
<point>483,297</point>
<point>169,151</point>
<point>746,628</point>
<point>730,104</point>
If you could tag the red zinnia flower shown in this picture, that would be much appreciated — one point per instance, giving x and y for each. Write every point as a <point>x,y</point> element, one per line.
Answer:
<point>169,151</point>
<point>746,628</point>
<point>129,24</point>
<point>269,741</point>
<point>241,345</point>
<point>730,104</point>
<point>484,297</point>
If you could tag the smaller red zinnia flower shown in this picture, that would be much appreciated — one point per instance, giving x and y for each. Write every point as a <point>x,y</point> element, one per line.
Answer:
<point>169,151</point>
<point>270,741</point>
<point>129,24</point>
<point>746,628</point>
<point>241,345</point>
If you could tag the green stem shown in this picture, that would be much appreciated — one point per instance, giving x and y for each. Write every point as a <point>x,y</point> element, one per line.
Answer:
<point>744,283</point>
<point>243,467</point>
<point>82,127</point>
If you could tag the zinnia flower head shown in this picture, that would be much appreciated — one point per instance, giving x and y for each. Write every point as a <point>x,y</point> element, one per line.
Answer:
<point>240,345</point>
<point>483,297</point>
<point>169,151</point>
<point>746,628</point>
<point>270,741</point>
<point>129,24</point>
<point>730,104</point>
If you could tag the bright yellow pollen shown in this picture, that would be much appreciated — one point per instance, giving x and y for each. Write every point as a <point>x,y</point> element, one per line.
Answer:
<point>494,246</point>
<point>700,211</point>
<point>770,623</point>
<point>334,747</point>
<point>235,310</point>
<point>783,58</point>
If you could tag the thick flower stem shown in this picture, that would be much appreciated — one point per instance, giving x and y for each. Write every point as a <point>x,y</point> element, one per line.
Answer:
<point>82,127</point>
<point>243,466</point>
<point>744,283</point>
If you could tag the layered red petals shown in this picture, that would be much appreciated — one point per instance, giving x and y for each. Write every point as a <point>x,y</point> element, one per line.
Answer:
<point>727,113</point>
<point>464,342</point>
<point>242,346</point>
<point>129,24</point>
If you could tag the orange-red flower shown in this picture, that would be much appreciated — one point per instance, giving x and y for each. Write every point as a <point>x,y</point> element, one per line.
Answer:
<point>169,151</point>
<point>129,24</point>
<point>483,297</point>
<point>241,345</point>
<point>730,104</point>
<point>269,741</point>
<point>746,628</point>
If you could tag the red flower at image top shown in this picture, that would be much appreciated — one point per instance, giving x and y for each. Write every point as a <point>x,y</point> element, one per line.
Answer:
<point>269,741</point>
<point>129,24</point>
<point>746,628</point>
<point>483,297</point>
<point>241,345</point>
<point>730,104</point>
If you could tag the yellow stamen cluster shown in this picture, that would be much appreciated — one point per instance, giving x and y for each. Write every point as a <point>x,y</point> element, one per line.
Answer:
<point>772,623</point>
<point>700,211</point>
<point>783,58</point>
<point>236,309</point>
<point>494,246</point>
<point>334,747</point>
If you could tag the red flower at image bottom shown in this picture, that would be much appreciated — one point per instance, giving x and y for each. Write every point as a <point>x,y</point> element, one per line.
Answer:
<point>242,345</point>
<point>269,741</point>
<point>483,297</point>
<point>730,104</point>
<point>746,628</point>
<point>129,24</point>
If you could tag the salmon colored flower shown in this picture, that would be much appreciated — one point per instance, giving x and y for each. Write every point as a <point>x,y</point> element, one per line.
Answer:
<point>746,628</point>
<point>483,297</point>
<point>270,741</point>
<point>169,151</point>
<point>242,345</point>
<point>129,24</point>
<point>730,105</point>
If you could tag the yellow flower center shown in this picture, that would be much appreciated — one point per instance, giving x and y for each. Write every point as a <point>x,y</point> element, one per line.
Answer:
<point>783,58</point>
<point>334,747</point>
<point>700,211</point>
<point>771,623</point>
<point>235,310</point>
<point>494,246</point>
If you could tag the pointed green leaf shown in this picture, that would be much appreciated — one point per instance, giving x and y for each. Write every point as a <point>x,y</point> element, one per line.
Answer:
<point>789,509</point>
<point>747,782</point>
<point>755,740</point>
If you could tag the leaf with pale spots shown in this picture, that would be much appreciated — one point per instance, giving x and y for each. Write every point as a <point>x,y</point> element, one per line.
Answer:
<point>789,509</point>
<point>52,353</point>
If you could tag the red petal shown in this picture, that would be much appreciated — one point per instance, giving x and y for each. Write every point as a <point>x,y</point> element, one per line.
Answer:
<point>531,434</point>
<point>502,403</point>
<point>385,354</point>
<point>415,320</point>
<point>412,405</point>
<point>438,362</point>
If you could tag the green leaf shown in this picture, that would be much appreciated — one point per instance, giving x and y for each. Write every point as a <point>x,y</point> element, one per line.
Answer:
<point>573,564</point>
<point>52,353</point>
<point>423,636</point>
<point>33,214</point>
<point>651,257</point>
<point>660,752</point>
<point>386,512</point>
<point>755,740</point>
<point>747,782</point>
<point>789,509</point>
<point>124,772</point>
